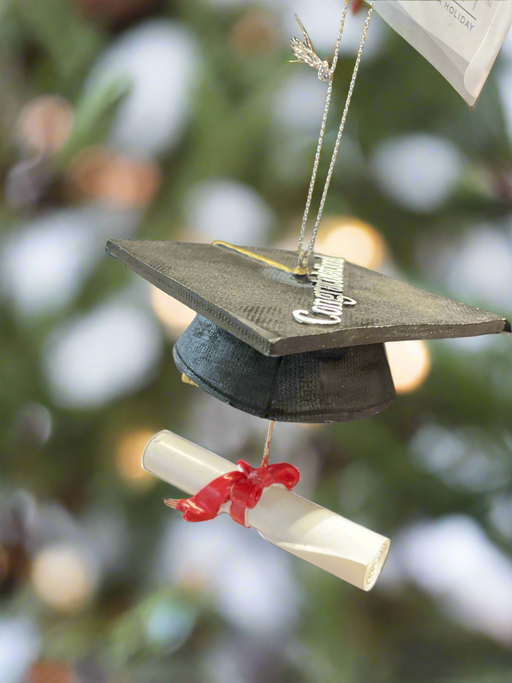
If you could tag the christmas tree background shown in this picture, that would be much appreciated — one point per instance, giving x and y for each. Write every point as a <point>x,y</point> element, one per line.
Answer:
<point>181,119</point>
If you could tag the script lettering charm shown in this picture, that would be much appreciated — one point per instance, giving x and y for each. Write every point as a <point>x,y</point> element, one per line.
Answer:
<point>328,274</point>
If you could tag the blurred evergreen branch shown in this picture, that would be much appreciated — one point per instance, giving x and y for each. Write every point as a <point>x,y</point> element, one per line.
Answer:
<point>93,118</point>
<point>69,42</point>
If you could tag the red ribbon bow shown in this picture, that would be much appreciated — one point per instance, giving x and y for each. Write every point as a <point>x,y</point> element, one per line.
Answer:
<point>243,487</point>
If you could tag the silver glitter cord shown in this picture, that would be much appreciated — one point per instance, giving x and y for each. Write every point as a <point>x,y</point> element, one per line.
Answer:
<point>322,130</point>
<point>304,255</point>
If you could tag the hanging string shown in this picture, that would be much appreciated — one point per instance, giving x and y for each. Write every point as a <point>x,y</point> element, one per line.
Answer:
<point>311,61</point>
<point>303,55</point>
<point>266,450</point>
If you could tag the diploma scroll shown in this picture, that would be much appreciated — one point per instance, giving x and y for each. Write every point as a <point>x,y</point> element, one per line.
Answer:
<point>299,526</point>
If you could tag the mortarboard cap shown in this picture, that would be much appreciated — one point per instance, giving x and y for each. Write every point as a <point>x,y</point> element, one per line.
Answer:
<point>257,315</point>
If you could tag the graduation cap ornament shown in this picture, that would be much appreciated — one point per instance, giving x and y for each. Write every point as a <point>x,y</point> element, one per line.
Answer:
<point>289,336</point>
<point>293,347</point>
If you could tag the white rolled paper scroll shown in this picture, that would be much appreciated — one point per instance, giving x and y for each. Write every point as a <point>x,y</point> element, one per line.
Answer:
<point>302,528</point>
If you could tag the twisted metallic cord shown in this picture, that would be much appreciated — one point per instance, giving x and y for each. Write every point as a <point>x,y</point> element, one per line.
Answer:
<point>322,130</point>
<point>304,255</point>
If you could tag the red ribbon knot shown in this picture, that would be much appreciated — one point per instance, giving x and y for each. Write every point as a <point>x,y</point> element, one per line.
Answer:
<point>243,487</point>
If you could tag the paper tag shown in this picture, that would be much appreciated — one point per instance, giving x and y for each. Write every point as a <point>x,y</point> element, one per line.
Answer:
<point>460,38</point>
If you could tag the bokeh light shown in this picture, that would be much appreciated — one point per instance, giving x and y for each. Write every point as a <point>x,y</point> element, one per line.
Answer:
<point>410,364</point>
<point>175,316</point>
<point>453,559</point>
<point>20,647</point>
<point>43,264</point>
<point>418,171</point>
<point>46,671</point>
<point>45,124</point>
<point>169,625</point>
<point>62,578</point>
<point>33,424</point>
<point>228,210</point>
<point>254,33</point>
<point>111,350</point>
<point>354,240</point>
<point>130,448</point>
<point>234,568</point>
<point>97,173</point>
<point>160,60</point>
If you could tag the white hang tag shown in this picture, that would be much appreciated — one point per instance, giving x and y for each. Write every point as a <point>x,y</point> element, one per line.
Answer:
<point>461,39</point>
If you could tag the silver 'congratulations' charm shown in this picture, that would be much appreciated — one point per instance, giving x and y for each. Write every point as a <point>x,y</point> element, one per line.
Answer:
<point>329,298</point>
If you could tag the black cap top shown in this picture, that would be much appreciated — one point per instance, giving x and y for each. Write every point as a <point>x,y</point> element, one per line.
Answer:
<point>278,313</point>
